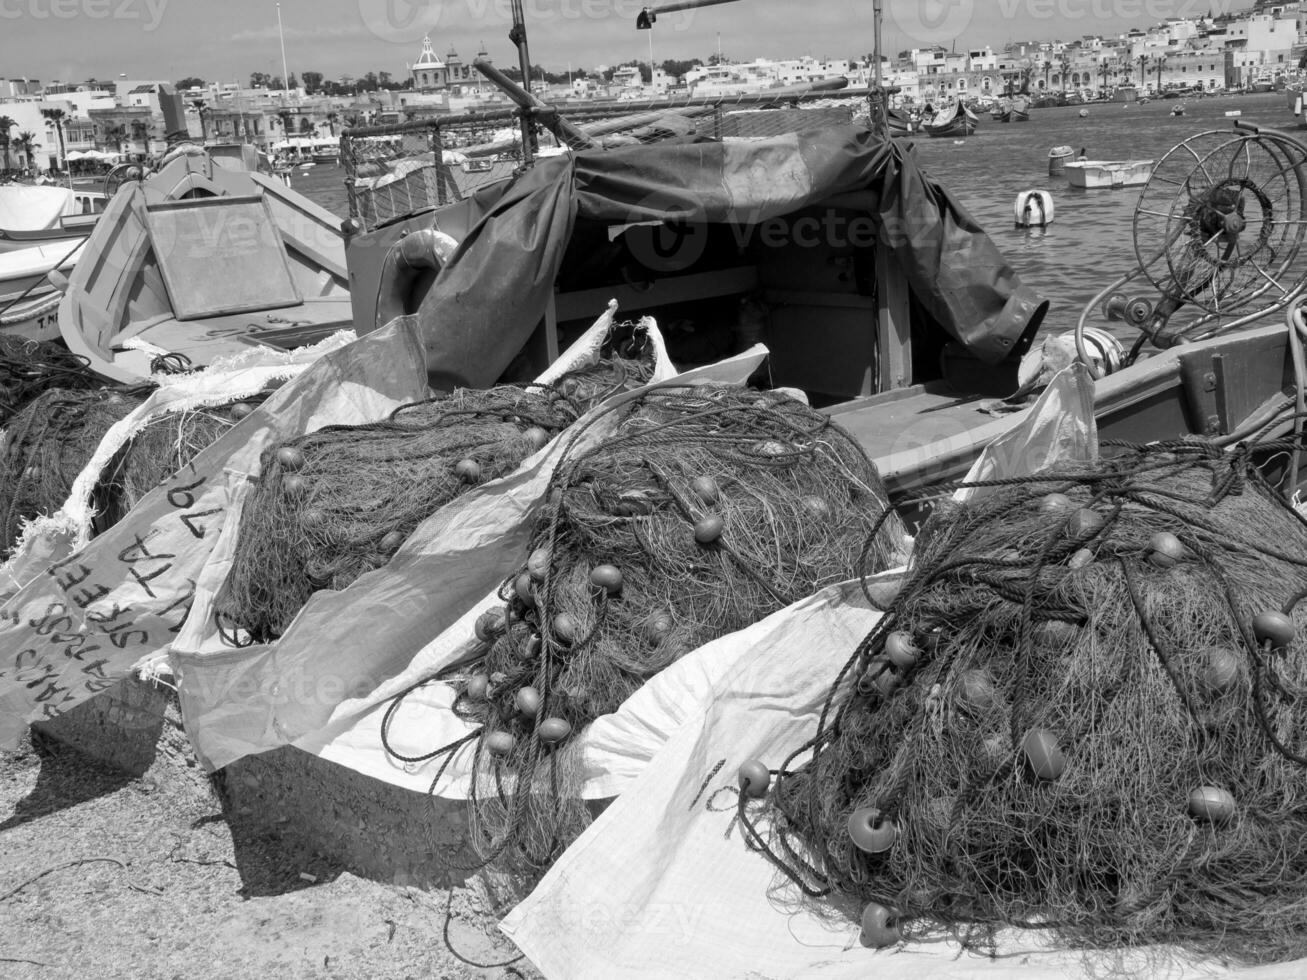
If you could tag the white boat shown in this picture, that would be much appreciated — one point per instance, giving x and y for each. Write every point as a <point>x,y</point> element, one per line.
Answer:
<point>1091,174</point>
<point>34,214</point>
<point>203,259</point>
<point>29,300</point>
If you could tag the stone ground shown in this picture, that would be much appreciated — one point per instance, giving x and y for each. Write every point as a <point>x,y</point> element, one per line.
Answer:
<point>108,875</point>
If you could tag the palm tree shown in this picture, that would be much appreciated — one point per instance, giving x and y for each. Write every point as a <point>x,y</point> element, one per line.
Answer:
<point>57,117</point>
<point>331,122</point>
<point>6,124</point>
<point>1063,66</point>
<point>1048,67</point>
<point>27,143</point>
<point>1159,61</point>
<point>1143,64</point>
<point>115,133</point>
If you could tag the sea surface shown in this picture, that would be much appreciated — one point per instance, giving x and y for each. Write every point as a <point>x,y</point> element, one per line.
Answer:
<point>1089,242</point>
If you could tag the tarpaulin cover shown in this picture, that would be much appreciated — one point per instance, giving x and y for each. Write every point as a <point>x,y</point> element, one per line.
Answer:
<point>493,292</point>
<point>663,885</point>
<point>76,628</point>
<point>348,652</point>
<point>25,207</point>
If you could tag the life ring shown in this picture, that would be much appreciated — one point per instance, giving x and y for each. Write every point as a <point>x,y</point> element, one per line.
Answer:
<point>1033,209</point>
<point>419,253</point>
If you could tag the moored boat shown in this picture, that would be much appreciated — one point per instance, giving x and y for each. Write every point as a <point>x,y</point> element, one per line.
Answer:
<point>954,120</point>
<point>28,298</point>
<point>200,260</point>
<point>1094,174</point>
<point>36,214</point>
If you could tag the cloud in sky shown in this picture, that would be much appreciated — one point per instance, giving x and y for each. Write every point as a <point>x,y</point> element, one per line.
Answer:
<point>227,39</point>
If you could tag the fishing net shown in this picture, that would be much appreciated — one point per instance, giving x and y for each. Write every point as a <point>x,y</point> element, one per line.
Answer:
<point>1085,712</point>
<point>29,367</point>
<point>47,444</point>
<point>336,503</point>
<point>706,510</point>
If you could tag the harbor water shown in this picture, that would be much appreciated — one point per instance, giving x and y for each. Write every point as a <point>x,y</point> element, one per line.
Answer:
<point>1089,242</point>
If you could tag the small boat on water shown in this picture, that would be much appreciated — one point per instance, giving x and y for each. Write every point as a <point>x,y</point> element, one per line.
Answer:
<point>205,258</point>
<point>901,123</point>
<point>1093,174</point>
<point>37,214</point>
<point>1177,110</point>
<point>953,120</point>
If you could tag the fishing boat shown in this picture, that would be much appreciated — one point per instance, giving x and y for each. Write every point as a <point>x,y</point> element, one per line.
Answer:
<point>37,214</point>
<point>901,123</point>
<point>954,120</point>
<point>204,258</point>
<point>910,389</point>
<point>1014,110</point>
<point>1095,174</point>
<point>29,299</point>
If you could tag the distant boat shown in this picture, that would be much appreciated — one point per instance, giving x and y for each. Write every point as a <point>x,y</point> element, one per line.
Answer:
<point>1177,110</point>
<point>1261,86</point>
<point>45,214</point>
<point>900,123</point>
<point>955,120</point>
<point>1020,110</point>
<point>1092,174</point>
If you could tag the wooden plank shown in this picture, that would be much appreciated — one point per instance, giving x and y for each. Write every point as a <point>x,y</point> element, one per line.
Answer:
<point>893,326</point>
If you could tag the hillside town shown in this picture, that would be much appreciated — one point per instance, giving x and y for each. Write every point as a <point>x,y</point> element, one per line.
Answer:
<point>46,124</point>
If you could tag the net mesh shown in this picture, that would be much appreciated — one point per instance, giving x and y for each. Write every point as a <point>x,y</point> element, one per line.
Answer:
<point>338,502</point>
<point>1085,712</point>
<point>707,509</point>
<point>392,171</point>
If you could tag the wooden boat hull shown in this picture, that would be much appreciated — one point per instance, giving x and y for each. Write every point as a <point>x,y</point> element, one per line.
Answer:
<point>961,123</point>
<point>204,260</point>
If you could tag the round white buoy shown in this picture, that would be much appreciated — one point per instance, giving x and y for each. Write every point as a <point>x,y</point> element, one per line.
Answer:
<point>1084,113</point>
<point>1057,158</point>
<point>1033,209</point>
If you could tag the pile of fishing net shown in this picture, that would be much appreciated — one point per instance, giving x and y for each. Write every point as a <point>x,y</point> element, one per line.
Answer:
<point>29,367</point>
<point>336,503</point>
<point>50,442</point>
<point>1084,712</point>
<point>706,509</point>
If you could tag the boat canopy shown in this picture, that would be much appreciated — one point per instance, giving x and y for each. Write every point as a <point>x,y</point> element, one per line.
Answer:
<point>27,207</point>
<point>490,296</point>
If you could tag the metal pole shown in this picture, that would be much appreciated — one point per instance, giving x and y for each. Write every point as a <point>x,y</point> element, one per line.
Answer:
<point>882,123</point>
<point>518,36</point>
<point>285,75</point>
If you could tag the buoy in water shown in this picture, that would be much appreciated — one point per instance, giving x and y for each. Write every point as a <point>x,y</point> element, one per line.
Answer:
<point>1084,113</point>
<point>1057,158</point>
<point>1033,209</point>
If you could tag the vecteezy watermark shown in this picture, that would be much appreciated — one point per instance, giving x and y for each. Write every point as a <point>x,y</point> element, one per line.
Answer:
<point>148,12</point>
<point>945,21</point>
<point>931,21</point>
<point>408,21</point>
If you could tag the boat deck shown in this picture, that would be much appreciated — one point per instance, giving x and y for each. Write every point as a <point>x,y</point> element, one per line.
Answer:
<point>220,336</point>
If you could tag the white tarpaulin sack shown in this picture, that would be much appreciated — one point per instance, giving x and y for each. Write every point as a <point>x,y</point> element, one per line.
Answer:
<point>346,652</point>
<point>76,629</point>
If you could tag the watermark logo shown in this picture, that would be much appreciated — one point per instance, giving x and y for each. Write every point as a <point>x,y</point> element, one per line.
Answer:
<point>932,21</point>
<point>149,13</point>
<point>401,21</point>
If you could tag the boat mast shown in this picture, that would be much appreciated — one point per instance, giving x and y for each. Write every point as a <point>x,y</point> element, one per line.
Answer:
<point>882,123</point>
<point>285,75</point>
<point>518,36</point>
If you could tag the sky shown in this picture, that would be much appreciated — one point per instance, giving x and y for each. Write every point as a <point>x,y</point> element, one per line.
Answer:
<point>71,40</point>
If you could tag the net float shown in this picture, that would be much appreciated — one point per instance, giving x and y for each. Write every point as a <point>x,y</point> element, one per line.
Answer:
<point>976,690</point>
<point>754,778</point>
<point>527,701</point>
<point>1056,503</point>
<point>607,577</point>
<point>522,589</point>
<point>313,517</point>
<point>241,410</point>
<point>478,687</point>
<point>1085,522</point>
<point>1055,634</point>
<point>878,929</point>
<point>489,625</point>
<point>1080,559</point>
<point>500,743</point>
<point>772,447</point>
<point>391,541</point>
<point>566,628</point>
<point>658,626</point>
<point>1222,671</point>
<point>467,470</point>
<point>1213,804</point>
<point>706,489</point>
<point>885,683</point>
<point>816,506</point>
<point>870,831</point>
<point>708,530</point>
<point>553,730</point>
<point>1165,549</point>
<point>537,436</point>
<point>290,458</point>
<point>294,486</point>
<point>901,650</point>
<point>1043,754</point>
<point>1273,627</point>
<point>537,565</point>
